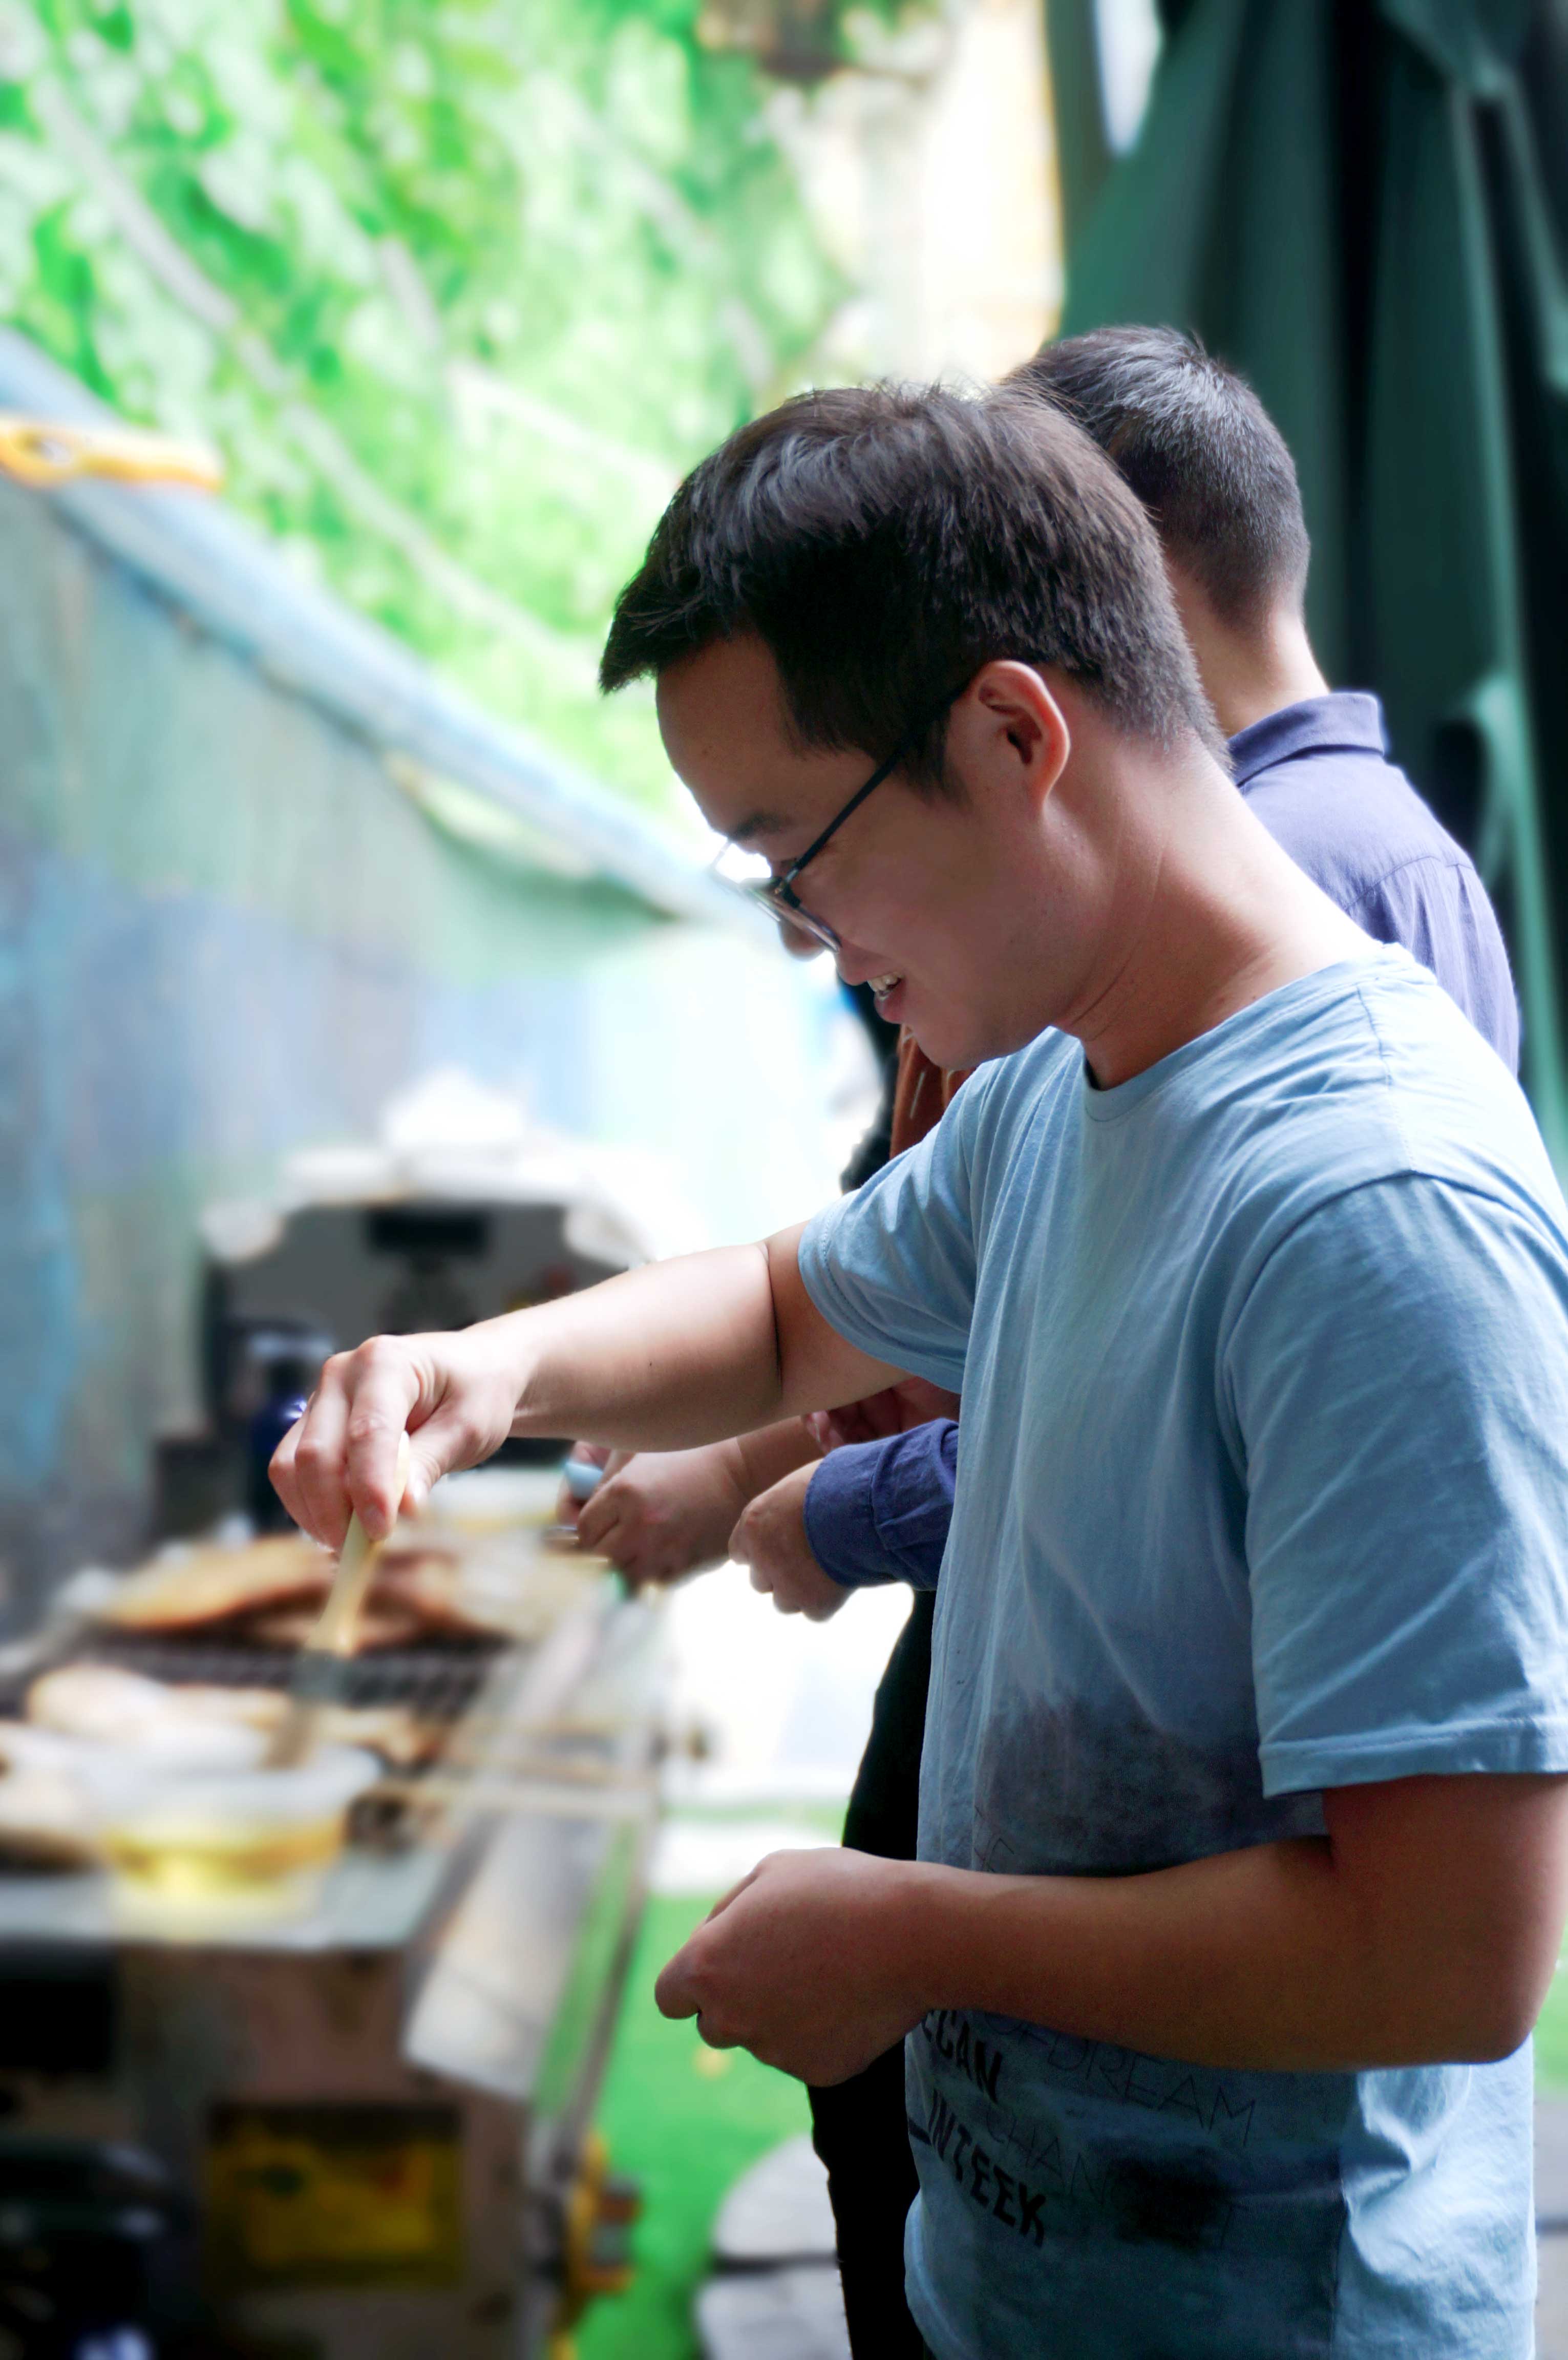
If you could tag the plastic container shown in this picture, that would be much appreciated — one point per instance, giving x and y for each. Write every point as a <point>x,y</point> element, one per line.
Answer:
<point>227,1841</point>
<point>581,1478</point>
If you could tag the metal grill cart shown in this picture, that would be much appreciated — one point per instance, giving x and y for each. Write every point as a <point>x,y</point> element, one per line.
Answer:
<point>376,2115</point>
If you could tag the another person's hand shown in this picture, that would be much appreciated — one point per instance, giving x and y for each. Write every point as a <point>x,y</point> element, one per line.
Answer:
<point>809,1964</point>
<point>455,1396</point>
<point>568,1506</point>
<point>771,1539</point>
<point>659,1515</point>
<point>913,1402</point>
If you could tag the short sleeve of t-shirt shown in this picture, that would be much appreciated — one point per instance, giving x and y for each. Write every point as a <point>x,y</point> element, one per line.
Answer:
<point>892,1267</point>
<point>1397,1381</point>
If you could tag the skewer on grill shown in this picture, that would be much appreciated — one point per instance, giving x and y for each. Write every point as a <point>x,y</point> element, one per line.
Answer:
<point>546,1795</point>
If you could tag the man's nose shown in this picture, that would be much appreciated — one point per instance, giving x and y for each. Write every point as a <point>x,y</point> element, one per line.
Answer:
<point>799,943</point>
<point>855,966</point>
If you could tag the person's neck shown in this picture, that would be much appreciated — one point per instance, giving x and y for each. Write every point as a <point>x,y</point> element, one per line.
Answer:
<point>1203,915</point>
<point>1248,674</point>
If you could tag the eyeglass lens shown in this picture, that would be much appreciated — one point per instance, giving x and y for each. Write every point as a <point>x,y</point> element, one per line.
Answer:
<point>778,899</point>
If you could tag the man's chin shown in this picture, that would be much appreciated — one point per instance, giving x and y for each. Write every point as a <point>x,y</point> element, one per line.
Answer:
<point>948,1046</point>
<point>957,1046</point>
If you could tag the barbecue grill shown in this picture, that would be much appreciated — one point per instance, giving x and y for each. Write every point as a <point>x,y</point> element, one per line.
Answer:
<point>377,2114</point>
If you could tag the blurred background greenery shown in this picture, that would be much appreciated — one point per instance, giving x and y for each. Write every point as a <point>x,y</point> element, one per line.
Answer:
<point>460,288</point>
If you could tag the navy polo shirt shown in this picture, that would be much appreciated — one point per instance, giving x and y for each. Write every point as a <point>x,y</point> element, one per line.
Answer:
<point>1318,776</point>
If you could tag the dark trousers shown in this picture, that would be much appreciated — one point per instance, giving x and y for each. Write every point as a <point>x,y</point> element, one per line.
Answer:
<point>859,2128</point>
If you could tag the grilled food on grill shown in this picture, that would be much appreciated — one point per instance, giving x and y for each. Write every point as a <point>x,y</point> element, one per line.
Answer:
<point>268,1593</point>
<point>122,1708</point>
<point>380,1625</point>
<point>45,1818</point>
<point>209,1585</point>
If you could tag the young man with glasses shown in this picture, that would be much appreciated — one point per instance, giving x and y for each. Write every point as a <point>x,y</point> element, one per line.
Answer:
<point>1212,469</point>
<point>1242,1809</point>
<point>1203,454</point>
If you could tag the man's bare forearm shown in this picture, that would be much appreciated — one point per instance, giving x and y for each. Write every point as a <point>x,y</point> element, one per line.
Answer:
<point>683,1352</point>
<point>764,1458</point>
<point>1239,1960</point>
<point>660,1359</point>
<point>1300,1956</point>
<point>674,1356</point>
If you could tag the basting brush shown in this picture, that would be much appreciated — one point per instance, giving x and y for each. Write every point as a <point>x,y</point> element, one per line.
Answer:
<point>319,1677</point>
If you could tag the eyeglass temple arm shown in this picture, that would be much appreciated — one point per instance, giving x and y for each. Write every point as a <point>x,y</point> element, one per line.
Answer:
<point>837,820</point>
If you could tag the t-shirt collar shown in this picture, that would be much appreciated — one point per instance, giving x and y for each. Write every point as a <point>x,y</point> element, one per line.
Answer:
<point>1287,1004</point>
<point>1349,721</point>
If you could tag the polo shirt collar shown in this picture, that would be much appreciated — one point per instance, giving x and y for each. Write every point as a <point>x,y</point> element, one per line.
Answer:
<point>1347,722</point>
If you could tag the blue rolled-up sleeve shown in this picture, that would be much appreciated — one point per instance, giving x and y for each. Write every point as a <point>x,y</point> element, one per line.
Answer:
<point>878,1512</point>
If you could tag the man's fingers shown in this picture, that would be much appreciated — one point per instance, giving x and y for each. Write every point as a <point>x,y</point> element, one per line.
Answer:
<point>597,1516</point>
<point>739,1545</point>
<point>617,1542</point>
<point>344,1457</point>
<point>319,1504</point>
<point>762,1575</point>
<point>428,1460</point>
<point>682,1989</point>
<point>748,1547</point>
<point>616,1535</point>
<point>387,1387</point>
<point>568,1506</point>
<point>841,1427</point>
<point>285,1481</point>
<point>674,1994</point>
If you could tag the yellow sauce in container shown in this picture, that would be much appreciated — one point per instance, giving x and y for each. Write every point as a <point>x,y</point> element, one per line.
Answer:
<point>255,1842</point>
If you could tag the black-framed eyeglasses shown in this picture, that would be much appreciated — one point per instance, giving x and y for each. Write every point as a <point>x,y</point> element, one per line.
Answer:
<point>777,894</point>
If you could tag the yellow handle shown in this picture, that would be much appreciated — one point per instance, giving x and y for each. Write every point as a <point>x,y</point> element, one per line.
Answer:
<point>44,451</point>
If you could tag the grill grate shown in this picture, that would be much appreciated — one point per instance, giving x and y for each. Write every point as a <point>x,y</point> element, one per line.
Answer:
<point>439,1680</point>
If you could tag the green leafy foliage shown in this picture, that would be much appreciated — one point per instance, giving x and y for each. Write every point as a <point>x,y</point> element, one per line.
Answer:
<point>460,288</point>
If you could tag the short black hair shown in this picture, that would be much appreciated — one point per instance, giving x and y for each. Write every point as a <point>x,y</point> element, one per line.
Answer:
<point>885,541</point>
<point>1201,452</point>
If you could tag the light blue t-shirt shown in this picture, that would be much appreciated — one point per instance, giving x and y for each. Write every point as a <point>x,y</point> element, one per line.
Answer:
<point>1262,1488</point>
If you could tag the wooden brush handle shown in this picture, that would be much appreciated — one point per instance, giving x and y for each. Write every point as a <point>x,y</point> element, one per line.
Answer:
<point>318,1675</point>
<point>333,1634</point>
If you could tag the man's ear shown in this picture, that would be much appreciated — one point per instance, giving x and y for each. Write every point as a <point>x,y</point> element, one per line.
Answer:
<point>1008,728</point>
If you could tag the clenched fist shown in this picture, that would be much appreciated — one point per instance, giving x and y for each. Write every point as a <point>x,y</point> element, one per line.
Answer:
<point>455,1395</point>
<point>771,1539</point>
<point>812,1963</point>
<point>657,1514</point>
